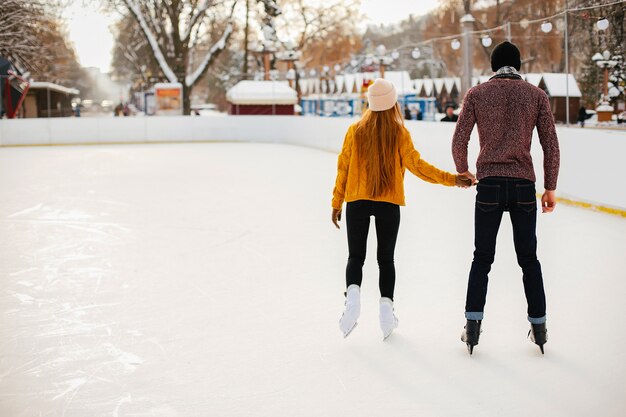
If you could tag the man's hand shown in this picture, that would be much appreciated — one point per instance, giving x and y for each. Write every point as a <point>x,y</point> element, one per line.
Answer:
<point>336,217</point>
<point>469,176</point>
<point>548,201</point>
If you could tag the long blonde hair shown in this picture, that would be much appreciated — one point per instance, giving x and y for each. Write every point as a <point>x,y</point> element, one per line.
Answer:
<point>376,137</point>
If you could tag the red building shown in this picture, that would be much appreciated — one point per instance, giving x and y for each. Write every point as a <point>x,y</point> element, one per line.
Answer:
<point>262,98</point>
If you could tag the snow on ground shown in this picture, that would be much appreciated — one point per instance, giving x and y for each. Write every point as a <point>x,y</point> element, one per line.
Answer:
<point>206,280</point>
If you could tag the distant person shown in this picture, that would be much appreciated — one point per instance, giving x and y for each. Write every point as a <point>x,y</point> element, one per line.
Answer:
<point>118,110</point>
<point>418,114</point>
<point>506,109</point>
<point>582,116</point>
<point>450,116</point>
<point>407,113</point>
<point>370,178</point>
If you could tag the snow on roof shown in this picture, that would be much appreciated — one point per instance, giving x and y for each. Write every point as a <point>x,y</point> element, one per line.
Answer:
<point>262,92</point>
<point>556,85</point>
<point>533,78</point>
<point>54,87</point>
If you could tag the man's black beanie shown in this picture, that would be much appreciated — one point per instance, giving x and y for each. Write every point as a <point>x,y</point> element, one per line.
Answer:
<point>505,55</point>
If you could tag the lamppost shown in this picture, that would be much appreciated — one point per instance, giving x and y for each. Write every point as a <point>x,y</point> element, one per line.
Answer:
<point>290,56</point>
<point>468,25</point>
<point>383,60</point>
<point>605,61</point>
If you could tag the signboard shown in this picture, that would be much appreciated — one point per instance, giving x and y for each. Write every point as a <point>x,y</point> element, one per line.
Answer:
<point>168,99</point>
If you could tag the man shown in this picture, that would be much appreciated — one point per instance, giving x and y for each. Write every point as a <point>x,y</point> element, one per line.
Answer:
<point>450,116</point>
<point>506,109</point>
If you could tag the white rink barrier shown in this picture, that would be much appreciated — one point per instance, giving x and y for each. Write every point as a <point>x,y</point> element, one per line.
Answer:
<point>591,159</point>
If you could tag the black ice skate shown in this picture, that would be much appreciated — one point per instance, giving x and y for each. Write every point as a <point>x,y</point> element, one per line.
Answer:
<point>538,334</point>
<point>471,334</point>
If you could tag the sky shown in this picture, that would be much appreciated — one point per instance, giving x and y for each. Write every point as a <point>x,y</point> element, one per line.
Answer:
<point>92,39</point>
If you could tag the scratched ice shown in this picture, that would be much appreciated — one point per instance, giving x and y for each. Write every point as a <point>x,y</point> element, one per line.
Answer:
<point>206,280</point>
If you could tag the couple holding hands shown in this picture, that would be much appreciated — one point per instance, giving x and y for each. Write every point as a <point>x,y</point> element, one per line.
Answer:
<point>370,179</point>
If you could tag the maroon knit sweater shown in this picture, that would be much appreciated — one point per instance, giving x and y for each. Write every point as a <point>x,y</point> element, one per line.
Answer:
<point>506,112</point>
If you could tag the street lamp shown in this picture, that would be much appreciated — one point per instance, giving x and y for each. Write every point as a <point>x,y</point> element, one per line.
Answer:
<point>486,41</point>
<point>546,27</point>
<point>415,53</point>
<point>455,44</point>
<point>604,60</point>
<point>603,23</point>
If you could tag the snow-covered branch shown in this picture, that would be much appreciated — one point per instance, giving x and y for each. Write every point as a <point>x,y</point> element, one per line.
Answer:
<point>154,44</point>
<point>191,79</point>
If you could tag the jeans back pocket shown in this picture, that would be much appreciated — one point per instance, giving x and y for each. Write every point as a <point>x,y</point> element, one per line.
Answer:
<point>487,197</point>
<point>526,197</point>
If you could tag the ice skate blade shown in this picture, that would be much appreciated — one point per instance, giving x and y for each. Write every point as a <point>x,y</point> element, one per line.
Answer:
<point>470,348</point>
<point>350,331</point>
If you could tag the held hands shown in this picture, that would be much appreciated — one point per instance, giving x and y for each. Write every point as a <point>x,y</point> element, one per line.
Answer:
<point>548,201</point>
<point>465,179</point>
<point>336,217</point>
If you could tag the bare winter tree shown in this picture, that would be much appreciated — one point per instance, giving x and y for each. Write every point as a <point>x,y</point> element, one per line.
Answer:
<point>22,23</point>
<point>176,30</point>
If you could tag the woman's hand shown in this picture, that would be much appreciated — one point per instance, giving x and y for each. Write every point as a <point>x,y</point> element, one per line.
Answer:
<point>336,217</point>
<point>467,175</point>
<point>463,182</point>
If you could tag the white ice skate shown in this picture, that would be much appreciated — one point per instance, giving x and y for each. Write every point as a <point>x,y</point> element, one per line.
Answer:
<point>347,323</point>
<point>388,320</point>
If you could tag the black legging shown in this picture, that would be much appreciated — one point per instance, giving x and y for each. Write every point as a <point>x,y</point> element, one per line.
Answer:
<point>387,223</point>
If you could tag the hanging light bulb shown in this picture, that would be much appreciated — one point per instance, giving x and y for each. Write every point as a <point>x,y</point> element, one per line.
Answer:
<point>312,73</point>
<point>546,27</point>
<point>395,54</point>
<point>524,23</point>
<point>455,44</point>
<point>326,68</point>
<point>486,41</point>
<point>415,53</point>
<point>381,49</point>
<point>337,67</point>
<point>354,62</point>
<point>603,24</point>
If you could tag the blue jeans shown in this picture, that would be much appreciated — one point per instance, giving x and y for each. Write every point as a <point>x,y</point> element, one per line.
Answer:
<point>494,196</point>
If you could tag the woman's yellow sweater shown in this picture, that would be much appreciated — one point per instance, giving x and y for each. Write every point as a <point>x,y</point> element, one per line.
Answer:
<point>351,183</point>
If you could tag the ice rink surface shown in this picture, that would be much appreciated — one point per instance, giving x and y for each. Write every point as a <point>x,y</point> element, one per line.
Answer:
<point>182,280</point>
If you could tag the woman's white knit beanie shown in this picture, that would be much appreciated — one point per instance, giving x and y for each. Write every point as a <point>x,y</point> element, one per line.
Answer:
<point>381,95</point>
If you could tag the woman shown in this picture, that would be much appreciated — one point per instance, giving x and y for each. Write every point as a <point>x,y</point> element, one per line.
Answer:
<point>370,178</point>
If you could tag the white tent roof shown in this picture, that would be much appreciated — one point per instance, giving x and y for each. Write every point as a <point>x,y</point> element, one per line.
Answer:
<point>428,86</point>
<point>401,80</point>
<point>452,82</point>
<point>262,92</point>
<point>303,83</point>
<point>556,85</point>
<point>349,82</point>
<point>339,83</point>
<point>438,85</point>
<point>417,84</point>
